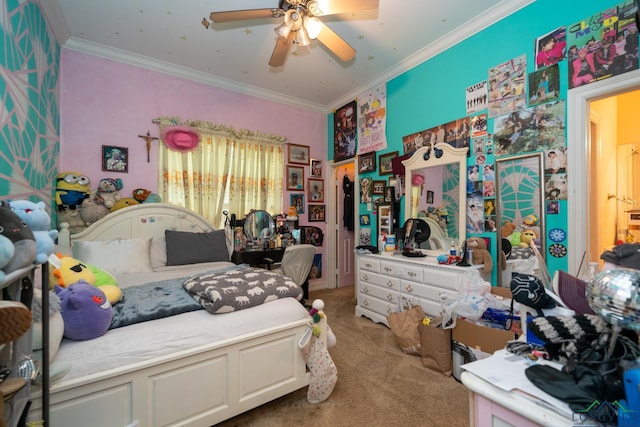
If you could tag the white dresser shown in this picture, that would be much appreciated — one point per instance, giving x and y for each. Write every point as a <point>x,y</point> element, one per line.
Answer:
<point>386,279</point>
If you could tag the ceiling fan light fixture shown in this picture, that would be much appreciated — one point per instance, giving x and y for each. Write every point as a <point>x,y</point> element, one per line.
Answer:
<point>282,30</point>
<point>301,37</point>
<point>313,26</point>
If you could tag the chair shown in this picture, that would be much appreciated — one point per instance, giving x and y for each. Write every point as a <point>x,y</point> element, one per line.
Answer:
<point>296,263</point>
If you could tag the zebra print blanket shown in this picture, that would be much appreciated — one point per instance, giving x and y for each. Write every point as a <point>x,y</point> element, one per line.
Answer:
<point>239,289</point>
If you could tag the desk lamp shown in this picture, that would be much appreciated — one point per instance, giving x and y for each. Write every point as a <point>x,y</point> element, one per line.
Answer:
<point>614,295</point>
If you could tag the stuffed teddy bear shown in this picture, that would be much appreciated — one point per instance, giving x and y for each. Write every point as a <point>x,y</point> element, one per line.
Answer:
<point>86,311</point>
<point>71,270</point>
<point>108,192</point>
<point>72,218</point>
<point>125,202</point>
<point>7,250</point>
<point>36,217</point>
<point>91,211</point>
<point>507,229</point>
<point>480,254</point>
<point>24,242</point>
<point>526,237</point>
<point>71,189</point>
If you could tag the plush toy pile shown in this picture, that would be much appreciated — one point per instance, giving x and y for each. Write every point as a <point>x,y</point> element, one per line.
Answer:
<point>20,236</point>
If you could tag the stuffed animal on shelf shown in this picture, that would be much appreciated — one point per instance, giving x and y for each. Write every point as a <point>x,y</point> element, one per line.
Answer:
<point>526,237</point>
<point>71,189</point>
<point>36,217</point>
<point>70,270</point>
<point>292,214</point>
<point>145,196</point>
<point>480,254</point>
<point>24,242</point>
<point>125,202</point>
<point>73,218</point>
<point>108,192</point>
<point>91,211</point>
<point>86,311</point>
<point>7,250</point>
<point>507,229</point>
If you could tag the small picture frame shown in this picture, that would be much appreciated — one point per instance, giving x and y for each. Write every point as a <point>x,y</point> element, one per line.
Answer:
<point>298,154</point>
<point>430,197</point>
<point>364,219</point>
<point>115,159</point>
<point>297,200</point>
<point>378,187</point>
<point>295,178</point>
<point>316,213</point>
<point>367,162</point>
<point>316,168</point>
<point>316,190</point>
<point>386,167</point>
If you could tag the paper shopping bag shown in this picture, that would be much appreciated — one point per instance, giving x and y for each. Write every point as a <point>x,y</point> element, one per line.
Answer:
<point>404,326</point>
<point>435,344</point>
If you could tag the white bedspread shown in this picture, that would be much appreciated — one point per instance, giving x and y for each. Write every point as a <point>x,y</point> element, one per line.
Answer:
<point>144,341</point>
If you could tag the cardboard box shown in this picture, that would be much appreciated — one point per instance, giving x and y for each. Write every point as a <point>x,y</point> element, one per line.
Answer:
<point>483,338</point>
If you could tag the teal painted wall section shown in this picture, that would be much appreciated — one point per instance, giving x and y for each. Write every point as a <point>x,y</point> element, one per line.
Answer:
<point>433,92</point>
<point>29,93</point>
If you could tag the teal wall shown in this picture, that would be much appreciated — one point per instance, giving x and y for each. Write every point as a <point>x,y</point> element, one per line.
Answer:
<point>29,93</point>
<point>433,92</point>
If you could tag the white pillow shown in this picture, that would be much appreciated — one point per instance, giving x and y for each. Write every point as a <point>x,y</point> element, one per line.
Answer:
<point>116,256</point>
<point>158,252</point>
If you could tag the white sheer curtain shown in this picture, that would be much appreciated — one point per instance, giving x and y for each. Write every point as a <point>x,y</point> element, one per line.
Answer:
<point>234,170</point>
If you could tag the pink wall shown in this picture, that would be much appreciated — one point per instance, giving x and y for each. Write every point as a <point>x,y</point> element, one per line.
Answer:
<point>109,102</point>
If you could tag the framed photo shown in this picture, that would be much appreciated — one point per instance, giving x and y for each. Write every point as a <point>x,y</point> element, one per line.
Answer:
<point>430,197</point>
<point>316,190</point>
<point>298,154</point>
<point>316,213</point>
<point>385,163</point>
<point>316,168</point>
<point>295,178</point>
<point>367,162</point>
<point>115,159</point>
<point>364,219</point>
<point>297,200</point>
<point>378,187</point>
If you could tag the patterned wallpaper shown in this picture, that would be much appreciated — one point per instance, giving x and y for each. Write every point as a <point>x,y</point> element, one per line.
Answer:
<point>30,103</point>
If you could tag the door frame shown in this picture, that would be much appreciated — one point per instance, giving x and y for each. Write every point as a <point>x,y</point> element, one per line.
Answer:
<point>578,163</point>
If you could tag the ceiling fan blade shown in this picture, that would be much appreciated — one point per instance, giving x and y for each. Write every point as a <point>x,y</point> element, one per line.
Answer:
<point>336,44</point>
<point>280,51</point>
<point>333,7</point>
<point>241,15</point>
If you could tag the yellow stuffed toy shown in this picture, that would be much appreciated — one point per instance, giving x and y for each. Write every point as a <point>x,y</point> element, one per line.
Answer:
<point>526,237</point>
<point>71,270</point>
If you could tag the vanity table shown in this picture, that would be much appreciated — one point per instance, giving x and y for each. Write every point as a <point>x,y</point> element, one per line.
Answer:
<point>384,280</point>
<point>256,257</point>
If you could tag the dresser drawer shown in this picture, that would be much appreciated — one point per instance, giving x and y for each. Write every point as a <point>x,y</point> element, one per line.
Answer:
<point>369,264</point>
<point>386,294</point>
<point>377,305</point>
<point>441,279</point>
<point>379,279</point>
<point>435,294</point>
<point>403,271</point>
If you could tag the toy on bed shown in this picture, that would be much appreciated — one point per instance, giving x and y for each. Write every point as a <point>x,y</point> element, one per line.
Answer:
<point>124,202</point>
<point>86,311</point>
<point>36,217</point>
<point>142,195</point>
<point>314,345</point>
<point>91,211</point>
<point>108,191</point>
<point>56,332</point>
<point>70,270</point>
<point>71,189</point>
<point>17,231</point>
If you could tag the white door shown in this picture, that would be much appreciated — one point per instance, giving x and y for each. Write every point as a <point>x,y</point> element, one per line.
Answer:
<point>345,241</point>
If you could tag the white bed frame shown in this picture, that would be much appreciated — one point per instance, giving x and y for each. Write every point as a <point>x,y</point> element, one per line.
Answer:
<point>194,387</point>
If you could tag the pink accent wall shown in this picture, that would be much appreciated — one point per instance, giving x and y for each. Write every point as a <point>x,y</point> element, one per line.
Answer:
<point>106,102</point>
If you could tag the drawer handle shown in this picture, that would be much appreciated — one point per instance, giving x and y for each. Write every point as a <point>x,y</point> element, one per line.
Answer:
<point>389,284</point>
<point>387,269</point>
<point>389,310</point>
<point>408,288</point>
<point>365,276</point>
<point>412,274</point>
<point>369,265</point>
<point>365,290</point>
<point>365,303</point>
<point>389,297</point>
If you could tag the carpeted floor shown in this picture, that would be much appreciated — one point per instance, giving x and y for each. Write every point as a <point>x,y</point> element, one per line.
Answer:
<point>377,385</point>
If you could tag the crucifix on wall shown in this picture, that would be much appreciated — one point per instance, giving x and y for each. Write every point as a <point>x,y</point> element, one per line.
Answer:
<point>148,138</point>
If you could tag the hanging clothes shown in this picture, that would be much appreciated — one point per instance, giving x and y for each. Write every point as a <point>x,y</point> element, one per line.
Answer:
<point>348,210</point>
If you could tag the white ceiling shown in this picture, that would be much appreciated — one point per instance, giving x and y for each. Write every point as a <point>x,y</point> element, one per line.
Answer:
<point>168,35</point>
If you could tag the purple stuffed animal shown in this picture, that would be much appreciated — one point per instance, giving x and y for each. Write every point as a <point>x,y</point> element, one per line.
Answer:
<point>86,311</point>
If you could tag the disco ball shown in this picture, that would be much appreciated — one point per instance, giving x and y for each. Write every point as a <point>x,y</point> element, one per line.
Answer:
<point>615,296</point>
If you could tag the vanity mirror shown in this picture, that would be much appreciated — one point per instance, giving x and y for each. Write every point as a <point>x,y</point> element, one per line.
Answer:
<point>435,191</point>
<point>259,226</point>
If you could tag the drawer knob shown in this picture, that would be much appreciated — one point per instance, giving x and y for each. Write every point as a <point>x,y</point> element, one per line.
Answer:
<point>409,288</point>
<point>412,274</point>
<point>365,276</point>
<point>387,269</point>
<point>389,284</point>
<point>389,310</point>
<point>369,265</point>
<point>365,290</point>
<point>365,303</point>
<point>389,297</point>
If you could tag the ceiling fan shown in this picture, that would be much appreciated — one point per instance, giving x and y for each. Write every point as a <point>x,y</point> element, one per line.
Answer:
<point>301,24</point>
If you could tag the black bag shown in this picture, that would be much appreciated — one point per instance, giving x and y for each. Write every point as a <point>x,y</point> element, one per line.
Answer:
<point>529,290</point>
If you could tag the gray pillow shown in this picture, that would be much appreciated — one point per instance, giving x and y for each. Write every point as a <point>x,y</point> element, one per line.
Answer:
<point>185,247</point>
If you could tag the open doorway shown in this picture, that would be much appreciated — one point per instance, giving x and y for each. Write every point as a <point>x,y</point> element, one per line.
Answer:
<point>597,120</point>
<point>345,224</point>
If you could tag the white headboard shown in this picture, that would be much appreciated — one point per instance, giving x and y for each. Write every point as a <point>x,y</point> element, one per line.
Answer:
<point>143,220</point>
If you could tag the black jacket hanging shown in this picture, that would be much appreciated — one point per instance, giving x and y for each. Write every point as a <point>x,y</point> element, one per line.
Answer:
<point>347,212</point>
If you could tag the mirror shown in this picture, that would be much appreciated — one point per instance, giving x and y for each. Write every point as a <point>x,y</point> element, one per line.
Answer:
<point>259,227</point>
<point>519,194</point>
<point>435,191</point>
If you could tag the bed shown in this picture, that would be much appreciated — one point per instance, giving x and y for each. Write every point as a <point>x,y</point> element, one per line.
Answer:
<point>190,369</point>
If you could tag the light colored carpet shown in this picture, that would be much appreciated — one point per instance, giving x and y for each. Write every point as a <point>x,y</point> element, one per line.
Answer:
<point>377,385</point>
